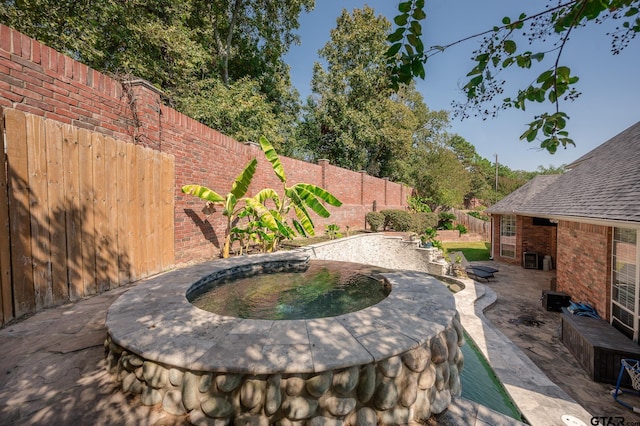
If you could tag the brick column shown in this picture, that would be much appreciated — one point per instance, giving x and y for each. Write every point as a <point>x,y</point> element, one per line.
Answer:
<point>324,163</point>
<point>363,173</point>
<point>146,114</point>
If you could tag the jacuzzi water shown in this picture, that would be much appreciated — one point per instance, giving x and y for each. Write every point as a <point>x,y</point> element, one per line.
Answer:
<point>331,288</point>
<point>325,289</point>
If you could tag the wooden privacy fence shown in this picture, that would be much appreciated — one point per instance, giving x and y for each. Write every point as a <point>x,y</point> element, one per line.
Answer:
<point>80,213</point>
<point>473,224</point>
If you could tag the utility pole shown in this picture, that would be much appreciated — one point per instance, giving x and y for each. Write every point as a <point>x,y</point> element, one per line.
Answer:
<point>496,177</point>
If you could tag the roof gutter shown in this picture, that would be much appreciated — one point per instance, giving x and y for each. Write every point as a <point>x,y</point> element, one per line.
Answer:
<point>589,220</point>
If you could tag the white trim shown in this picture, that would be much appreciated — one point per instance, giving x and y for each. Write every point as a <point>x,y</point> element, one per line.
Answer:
<point>579,219</point>
<point>635,313</point>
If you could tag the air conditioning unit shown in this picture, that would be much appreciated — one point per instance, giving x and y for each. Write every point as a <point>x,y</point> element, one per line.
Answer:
<point>530,260</point>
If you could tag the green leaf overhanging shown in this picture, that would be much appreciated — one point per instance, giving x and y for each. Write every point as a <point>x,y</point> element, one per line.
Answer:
<point>305,221</point>
<point>203,193</point>
<point>272,157</point>
<point>324,195</point>
<point>268,194</point>
<point>266,218</point>
<point>242,182</point>
<point>308,199</point>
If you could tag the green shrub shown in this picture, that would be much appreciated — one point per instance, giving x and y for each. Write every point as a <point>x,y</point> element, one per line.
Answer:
<point>397,220</point>
<point>445,221</point>
<point>479,215</point>
<point>461,228</point>
<point>375,221</point>
<point>422,221</point>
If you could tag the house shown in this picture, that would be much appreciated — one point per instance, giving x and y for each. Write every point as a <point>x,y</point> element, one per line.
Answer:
<point>586,223</point>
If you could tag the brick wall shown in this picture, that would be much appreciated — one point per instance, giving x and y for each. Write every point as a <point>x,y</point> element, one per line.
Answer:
<point>529,238</point>
<point>584,264</point>
<point>41,81</point>
<point>581,255</point>
<point>538,238</point>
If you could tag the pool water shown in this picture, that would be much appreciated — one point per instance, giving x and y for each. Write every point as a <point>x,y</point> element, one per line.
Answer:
<point>324,289</point>
<point>331,288</point>
<point>480,384</point>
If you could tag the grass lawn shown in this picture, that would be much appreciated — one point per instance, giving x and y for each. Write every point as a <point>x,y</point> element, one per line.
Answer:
<point>479,250</point>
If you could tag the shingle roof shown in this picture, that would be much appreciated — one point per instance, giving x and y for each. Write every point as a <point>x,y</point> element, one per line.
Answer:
<point>519,199</point>
<point>602,184</point>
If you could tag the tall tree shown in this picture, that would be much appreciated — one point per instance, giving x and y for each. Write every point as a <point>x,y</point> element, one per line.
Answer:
<point>247,37</point>
<point>351,119</point>
<point>184,47</point>
<point>439,176</point>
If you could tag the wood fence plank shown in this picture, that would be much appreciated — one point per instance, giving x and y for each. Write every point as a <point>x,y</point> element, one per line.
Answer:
<point>112,184</point>
<point>85,162</point>
<point>39,211</point>
<point>167,210</point>
<point>132,217</point>
<point>57,211</point>
<point>155,236</point>
<point>123,167</point>
<point>19,220</point>
<point>73,210</point>
<point>100,212</point>
<point>142,213</point>
<point>6,295</point>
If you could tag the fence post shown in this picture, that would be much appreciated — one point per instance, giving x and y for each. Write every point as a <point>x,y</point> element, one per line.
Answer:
<point>6,296</point>
<point>19,213</point>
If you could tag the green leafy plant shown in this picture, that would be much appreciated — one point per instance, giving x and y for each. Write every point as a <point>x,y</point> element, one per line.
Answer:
<point>301,198</point>
<point>428,237</point>
<point>418,204</point>
<point>252,233</point>
<point>333,231</point>
<point>228,203</point>
<point>461,229</point>
<point>445,220</point>
<point>479,215</point>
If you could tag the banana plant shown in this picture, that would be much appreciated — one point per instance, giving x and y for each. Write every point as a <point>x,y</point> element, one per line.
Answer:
<point>301,197</point>
<point>229,202</point>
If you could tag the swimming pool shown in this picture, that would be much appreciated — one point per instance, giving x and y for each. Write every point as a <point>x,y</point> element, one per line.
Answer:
<point>480,384</point>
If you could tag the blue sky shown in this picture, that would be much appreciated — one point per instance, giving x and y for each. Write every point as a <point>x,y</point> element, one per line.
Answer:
<point>609,84</point>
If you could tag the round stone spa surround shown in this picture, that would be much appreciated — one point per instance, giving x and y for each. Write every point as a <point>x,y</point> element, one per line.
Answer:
<point>392,363</point>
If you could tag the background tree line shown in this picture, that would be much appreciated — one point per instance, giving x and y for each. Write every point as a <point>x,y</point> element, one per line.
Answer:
<point>221,62</point>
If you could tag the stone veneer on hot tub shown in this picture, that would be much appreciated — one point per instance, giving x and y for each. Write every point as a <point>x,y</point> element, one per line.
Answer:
<point>391,363</point>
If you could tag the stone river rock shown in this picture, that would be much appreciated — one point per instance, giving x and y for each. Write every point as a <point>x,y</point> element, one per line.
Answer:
<point>346,380</point>
<point>319,384</point>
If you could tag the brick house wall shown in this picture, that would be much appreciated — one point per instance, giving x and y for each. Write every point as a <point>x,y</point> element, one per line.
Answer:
<point>581,255</point>
<point>36,79</point>
<point>529,238</point>
<point>584,264</point>
<point>538,238</point>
